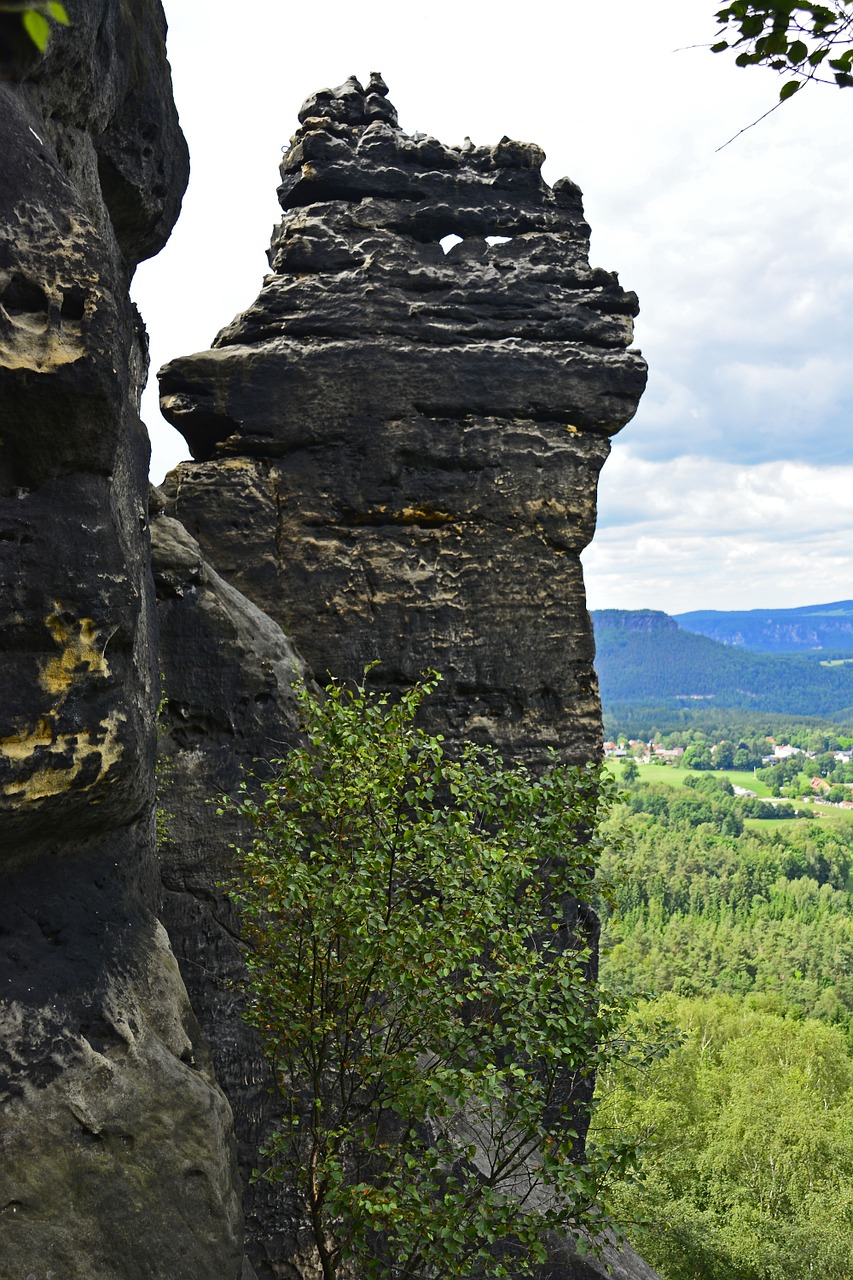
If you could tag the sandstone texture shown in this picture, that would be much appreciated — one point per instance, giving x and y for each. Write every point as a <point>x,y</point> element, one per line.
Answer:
<point>396,450</point>
<point>229,709</point>
<point>116,1143</point>
<point>396,447</point>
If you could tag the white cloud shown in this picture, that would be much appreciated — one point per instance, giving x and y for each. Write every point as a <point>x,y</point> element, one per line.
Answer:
<point>696,533</point>
<point>742,258</point>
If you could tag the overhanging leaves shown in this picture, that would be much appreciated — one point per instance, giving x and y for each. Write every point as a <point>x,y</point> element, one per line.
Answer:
<point>790,35</point>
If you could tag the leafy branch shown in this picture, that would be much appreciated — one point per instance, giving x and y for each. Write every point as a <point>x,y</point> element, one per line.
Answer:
<point>424,992</point>
<point>36,16</point>
<point>793,37</point>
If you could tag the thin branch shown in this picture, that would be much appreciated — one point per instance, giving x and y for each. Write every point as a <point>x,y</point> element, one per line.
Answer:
<point>775,107</point>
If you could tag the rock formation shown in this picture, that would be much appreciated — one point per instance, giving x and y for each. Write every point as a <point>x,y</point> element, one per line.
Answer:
<point>116,1147</point>
<point>397,447</point>
<point>227,671</point>
<point>396,453</point>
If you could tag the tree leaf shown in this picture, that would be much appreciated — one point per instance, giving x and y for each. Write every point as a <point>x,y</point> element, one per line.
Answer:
<point>788,90</point>
<point>37,28</point>
<point>58,13</point>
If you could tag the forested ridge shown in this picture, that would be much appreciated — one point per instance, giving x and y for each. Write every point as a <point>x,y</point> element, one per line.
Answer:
<point>737,931</point>
<point>810,628</point>
<point>711,724</point>
<point>643,656</point>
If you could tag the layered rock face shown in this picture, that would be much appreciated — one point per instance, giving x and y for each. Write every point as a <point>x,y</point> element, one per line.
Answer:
<point>396,453</point>
<point>228,671</point>
<point>116,1150</point>
<point>397,447</point>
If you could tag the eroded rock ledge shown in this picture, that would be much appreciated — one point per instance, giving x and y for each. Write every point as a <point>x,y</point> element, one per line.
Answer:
<point>397,447</point>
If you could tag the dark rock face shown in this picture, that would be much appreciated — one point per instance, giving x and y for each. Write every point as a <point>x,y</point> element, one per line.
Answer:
<point>116,1150</point>
<point>228,671</point>
<point>396,447</point>
<point>613,1263</point>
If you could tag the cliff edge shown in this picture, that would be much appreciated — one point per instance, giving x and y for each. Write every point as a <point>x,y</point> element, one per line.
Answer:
<point>396,451</point>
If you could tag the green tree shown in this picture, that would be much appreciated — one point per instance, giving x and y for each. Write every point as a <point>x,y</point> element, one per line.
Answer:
<point>797,38</point>
<point>749,1171</point>
<point>723,755</point>
<point>698,757</point>
<point>630,772</point>
<point>420,931</point>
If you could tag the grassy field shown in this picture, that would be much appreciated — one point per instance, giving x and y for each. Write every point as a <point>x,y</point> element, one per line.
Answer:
<point>838,817</point>
<point>841,819</point>
<point>676,775</point>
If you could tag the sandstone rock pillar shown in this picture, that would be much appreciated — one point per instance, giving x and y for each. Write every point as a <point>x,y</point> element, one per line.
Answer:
<point>396,450</point>
<point>397,445</point>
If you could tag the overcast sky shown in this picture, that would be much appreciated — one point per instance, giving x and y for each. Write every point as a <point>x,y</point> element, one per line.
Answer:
<point>733,486</point>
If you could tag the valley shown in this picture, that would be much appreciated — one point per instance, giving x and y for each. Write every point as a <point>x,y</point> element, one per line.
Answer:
<point>727,905</point>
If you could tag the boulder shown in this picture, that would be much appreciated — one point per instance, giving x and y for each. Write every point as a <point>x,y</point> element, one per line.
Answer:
<point>228,710</point>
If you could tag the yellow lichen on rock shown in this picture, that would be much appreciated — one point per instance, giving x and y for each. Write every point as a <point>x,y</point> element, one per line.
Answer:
<point>79,652</point>
<point>48,760</point>
<point>38,329</point>
<point>31,342</point>
<point>49,781</point>
<point>420,515</point>
<point>20,746</point>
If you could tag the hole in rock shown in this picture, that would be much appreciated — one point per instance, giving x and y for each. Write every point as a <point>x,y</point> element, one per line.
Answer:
<point>22,294</point>
<point>447,242</point>
<point>497,239</point>
<point>73,303</point>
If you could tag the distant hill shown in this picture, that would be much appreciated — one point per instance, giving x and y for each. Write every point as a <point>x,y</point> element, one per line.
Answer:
<point>813,627</point>
<point>645,657</point>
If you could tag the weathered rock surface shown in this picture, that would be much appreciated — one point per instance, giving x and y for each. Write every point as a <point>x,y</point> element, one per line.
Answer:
<point>396,458</point>
<point>228,671</point>
<point>116,1145</point>
<point>613,1263</point>
<point>396,447</point>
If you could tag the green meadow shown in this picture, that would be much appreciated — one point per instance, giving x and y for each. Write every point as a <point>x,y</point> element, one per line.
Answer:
<point>676,775</point>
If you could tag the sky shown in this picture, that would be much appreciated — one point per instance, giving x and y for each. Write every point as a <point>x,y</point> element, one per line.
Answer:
<point>732,488</point>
